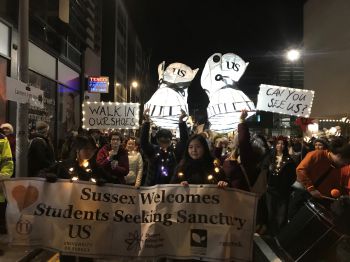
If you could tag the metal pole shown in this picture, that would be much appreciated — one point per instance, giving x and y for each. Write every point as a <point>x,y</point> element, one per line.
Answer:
<point>22,109</point>
<point>130,93</point>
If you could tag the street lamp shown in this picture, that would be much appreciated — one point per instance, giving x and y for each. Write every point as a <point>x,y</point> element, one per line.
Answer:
<point>293,55</point>
<point>116,91</point>
<point>134,84</point>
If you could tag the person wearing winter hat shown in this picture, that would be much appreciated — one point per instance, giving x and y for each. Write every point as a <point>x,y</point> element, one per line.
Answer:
<point>7,130</point>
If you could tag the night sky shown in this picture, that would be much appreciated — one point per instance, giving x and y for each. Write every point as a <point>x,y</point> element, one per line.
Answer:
<point>191,31</point>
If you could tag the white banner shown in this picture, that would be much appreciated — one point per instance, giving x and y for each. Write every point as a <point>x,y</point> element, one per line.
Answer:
<point>80,218</point>
<point>284,100</point>
<point>110,115</point>
<point>17,91</point>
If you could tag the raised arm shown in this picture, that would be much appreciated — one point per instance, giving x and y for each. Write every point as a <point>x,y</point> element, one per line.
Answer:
<point>180,147</point>
<point>248,159</point>
<point>145,144</point>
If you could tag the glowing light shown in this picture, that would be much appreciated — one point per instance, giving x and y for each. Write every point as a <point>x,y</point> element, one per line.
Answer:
<point>293,55</point>
<point>210,177</point>
<point>134,84</point>
<point>180,174</point>
<point>93,180</point>
<point>226,101</point>
<point>171,95</point>
<point>217,170</point>
<point>85,163</point>
<point>75,178</point>
<point>71,169</point>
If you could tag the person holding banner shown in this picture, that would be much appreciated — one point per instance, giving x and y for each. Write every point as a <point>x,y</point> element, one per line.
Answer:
<point>113,158</point>
<point>197,165</point>
<point>161,158</point>
<point>81,166</point>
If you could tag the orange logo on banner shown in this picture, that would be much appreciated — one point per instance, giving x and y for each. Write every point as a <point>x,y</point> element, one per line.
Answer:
<point>25,196</point>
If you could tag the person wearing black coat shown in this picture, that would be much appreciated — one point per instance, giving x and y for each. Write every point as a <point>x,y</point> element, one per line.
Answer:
<point>197,166</point>
<point>82,166</point>
<point>40,152</point>
<point>281,176</point>
<point>162,158</point>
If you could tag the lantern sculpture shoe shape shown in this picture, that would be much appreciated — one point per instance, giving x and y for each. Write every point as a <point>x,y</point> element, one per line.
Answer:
<point>171,96</point>
<point>219,78</point>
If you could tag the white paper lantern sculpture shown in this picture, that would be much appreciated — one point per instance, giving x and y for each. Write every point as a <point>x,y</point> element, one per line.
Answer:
<point>219,78</point>
<point>171,96</point>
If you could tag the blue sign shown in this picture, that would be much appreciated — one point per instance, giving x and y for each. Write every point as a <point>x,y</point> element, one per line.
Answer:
<point>98,84</point>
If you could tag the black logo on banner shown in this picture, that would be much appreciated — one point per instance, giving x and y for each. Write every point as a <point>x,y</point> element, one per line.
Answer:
<point>23,227</point>
<point>133,241</point>
<point>80,231</point>
<point>199,238</point>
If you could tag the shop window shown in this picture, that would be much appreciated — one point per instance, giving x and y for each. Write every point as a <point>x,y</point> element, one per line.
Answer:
<point>48,113</point>
<point>68,102</point>
<point>3,73</point>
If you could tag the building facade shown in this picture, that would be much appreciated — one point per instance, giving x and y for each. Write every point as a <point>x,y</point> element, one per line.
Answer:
<point>64,47</point>
<point>70,41</point>
<point>124,59</point>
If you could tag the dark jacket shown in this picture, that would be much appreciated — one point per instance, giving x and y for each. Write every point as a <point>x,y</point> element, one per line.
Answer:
<point>70,168</point>
<point>120,170</point>
<point>198,172</point>
<point>248,159</point>
<point>280,180</point>
<point>156,158</point>
<point>40,154</point>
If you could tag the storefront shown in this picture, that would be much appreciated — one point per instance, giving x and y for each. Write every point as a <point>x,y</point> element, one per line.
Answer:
<point>59,82</point>
<point>4,68</point>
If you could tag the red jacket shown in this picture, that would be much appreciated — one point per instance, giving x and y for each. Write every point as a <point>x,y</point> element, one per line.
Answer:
<point>119,172</point>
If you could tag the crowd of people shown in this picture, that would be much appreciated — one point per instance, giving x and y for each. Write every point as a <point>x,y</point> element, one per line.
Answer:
<point>283,172</point>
